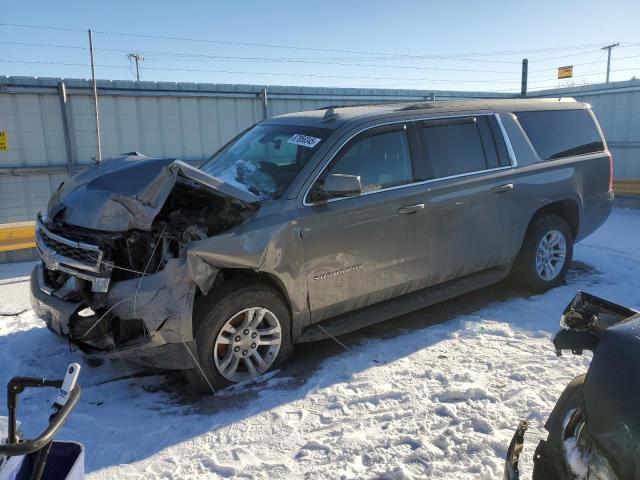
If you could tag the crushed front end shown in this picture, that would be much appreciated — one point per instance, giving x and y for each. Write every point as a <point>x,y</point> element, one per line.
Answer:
<point>85,295</point>
<point>121,282</point>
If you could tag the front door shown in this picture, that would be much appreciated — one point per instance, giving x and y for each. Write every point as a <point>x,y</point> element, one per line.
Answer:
<point>365,249</point>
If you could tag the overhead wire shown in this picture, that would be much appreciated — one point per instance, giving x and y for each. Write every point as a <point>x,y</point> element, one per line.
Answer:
<point>204,57</point>
<point>201,70</point>
<point>297,47</point>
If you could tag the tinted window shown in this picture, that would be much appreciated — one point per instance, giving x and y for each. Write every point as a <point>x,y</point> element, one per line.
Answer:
<point>454,147</point>
<point>561,133</point>
<point>521,146</point>
<point>380,160</point>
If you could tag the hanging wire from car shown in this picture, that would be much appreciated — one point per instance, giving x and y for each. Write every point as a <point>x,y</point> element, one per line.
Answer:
<point>155,247</point>
<point>335,339</point>
<point>117,267</point>
<point>199,368</point>
<point>102,316</point>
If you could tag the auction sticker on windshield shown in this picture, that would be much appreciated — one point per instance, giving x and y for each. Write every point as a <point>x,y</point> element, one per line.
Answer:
<point>304,140</point>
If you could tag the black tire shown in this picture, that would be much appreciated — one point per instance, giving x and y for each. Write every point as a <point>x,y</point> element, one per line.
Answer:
<point>212,312</point>
<point>525,273</point>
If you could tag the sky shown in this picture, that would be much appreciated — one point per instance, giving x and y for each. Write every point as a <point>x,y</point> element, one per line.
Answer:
<point>455,45</point>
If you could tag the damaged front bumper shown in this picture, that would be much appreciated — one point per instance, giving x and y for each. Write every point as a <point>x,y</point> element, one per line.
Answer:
<point>146,320</point>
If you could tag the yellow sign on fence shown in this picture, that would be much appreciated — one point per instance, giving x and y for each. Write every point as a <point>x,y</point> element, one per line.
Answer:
<point>4,143</point>
<point>565,72</point>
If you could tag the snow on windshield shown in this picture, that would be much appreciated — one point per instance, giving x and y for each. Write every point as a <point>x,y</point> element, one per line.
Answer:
<point>265,159</point>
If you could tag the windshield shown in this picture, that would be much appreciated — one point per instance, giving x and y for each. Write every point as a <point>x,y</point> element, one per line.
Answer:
<point>265,159</point>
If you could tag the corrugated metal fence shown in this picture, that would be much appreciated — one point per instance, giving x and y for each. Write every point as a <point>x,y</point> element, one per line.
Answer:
<point>50,125</point>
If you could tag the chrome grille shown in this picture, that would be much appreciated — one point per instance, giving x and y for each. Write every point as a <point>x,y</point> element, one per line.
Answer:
<point>68,251</point>
<point>60,250</point>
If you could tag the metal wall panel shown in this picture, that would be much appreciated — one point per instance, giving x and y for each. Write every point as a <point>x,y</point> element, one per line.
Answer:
<point>182,120</point>
<point>23,196</point>
<point>34,129</point>
<point>190,121</point>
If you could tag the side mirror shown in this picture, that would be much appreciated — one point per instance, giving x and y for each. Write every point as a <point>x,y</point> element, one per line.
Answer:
<point>338,185</point>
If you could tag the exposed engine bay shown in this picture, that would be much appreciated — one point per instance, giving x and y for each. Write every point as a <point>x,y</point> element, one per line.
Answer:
<point>112,288</point>
<point>190,213</point>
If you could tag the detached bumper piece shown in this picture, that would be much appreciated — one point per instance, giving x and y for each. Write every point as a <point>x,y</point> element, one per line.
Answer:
<point>511,471</point>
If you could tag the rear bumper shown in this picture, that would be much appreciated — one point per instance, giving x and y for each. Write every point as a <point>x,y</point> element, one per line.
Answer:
<point>595,213</point>
<point>164,347</point>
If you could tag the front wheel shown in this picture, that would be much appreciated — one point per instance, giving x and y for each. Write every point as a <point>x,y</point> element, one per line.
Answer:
<point>545,255</point>
<point>241,332</point>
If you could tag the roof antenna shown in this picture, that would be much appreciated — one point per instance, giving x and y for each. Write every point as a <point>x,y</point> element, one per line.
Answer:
<point>329,115</point>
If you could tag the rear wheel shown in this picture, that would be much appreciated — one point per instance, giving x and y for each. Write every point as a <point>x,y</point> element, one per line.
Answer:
<point>241,332</point>
<point>545,255</point>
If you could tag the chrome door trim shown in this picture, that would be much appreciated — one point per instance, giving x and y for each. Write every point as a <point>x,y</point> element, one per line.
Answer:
<point>422,182</point>
<point>507,141</point>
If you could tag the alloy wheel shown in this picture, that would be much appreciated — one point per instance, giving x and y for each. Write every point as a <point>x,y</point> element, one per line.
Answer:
<point>247,344</point>
<point>551,255</point>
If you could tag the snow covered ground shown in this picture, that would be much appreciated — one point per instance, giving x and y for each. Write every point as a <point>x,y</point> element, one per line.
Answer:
<point>435,394</point>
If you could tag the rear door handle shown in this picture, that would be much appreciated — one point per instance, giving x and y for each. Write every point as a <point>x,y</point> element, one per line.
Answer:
<point>411,208</point>
<point>502,188</point>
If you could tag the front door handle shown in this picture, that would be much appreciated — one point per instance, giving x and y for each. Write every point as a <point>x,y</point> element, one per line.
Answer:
<point>502,188</point>
<point>411,208</point>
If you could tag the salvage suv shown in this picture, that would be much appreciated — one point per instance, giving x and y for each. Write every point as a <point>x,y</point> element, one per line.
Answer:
<point>313,224</point>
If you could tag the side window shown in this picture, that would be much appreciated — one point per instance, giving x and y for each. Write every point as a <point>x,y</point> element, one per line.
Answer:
<point>381,160</point>
<point>561,133</point>
<point>455,146</point>
<point>522,148</point>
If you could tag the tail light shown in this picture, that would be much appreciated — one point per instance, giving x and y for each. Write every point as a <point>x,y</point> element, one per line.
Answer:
<point>610,171</point>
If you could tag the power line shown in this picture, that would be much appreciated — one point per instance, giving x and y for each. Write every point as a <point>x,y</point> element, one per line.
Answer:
<point>258,73</point>
<point>189,56</point>
<point>294,74</point>
<point>315,49</point>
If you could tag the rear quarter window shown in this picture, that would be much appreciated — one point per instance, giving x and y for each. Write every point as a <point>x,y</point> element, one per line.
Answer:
<point>561,133</point>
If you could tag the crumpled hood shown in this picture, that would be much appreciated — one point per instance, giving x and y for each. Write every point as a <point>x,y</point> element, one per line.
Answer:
<point>128,192</point>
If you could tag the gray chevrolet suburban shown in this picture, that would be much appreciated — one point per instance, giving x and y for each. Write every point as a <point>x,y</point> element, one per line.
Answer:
<point>313,224</point>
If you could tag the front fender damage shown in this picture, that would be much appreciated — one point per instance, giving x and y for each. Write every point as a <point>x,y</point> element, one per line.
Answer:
<point>275,250</point>
<point>164,300</point>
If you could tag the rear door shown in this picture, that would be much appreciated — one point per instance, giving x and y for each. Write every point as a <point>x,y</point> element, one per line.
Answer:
<point>470,197</point>
<point>365,249</point>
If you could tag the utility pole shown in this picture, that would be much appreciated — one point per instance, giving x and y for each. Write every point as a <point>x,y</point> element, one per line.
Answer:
<point>138,58</point>
<point>608,49</point>
<point>95,99</point>
<point>525,72</point>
